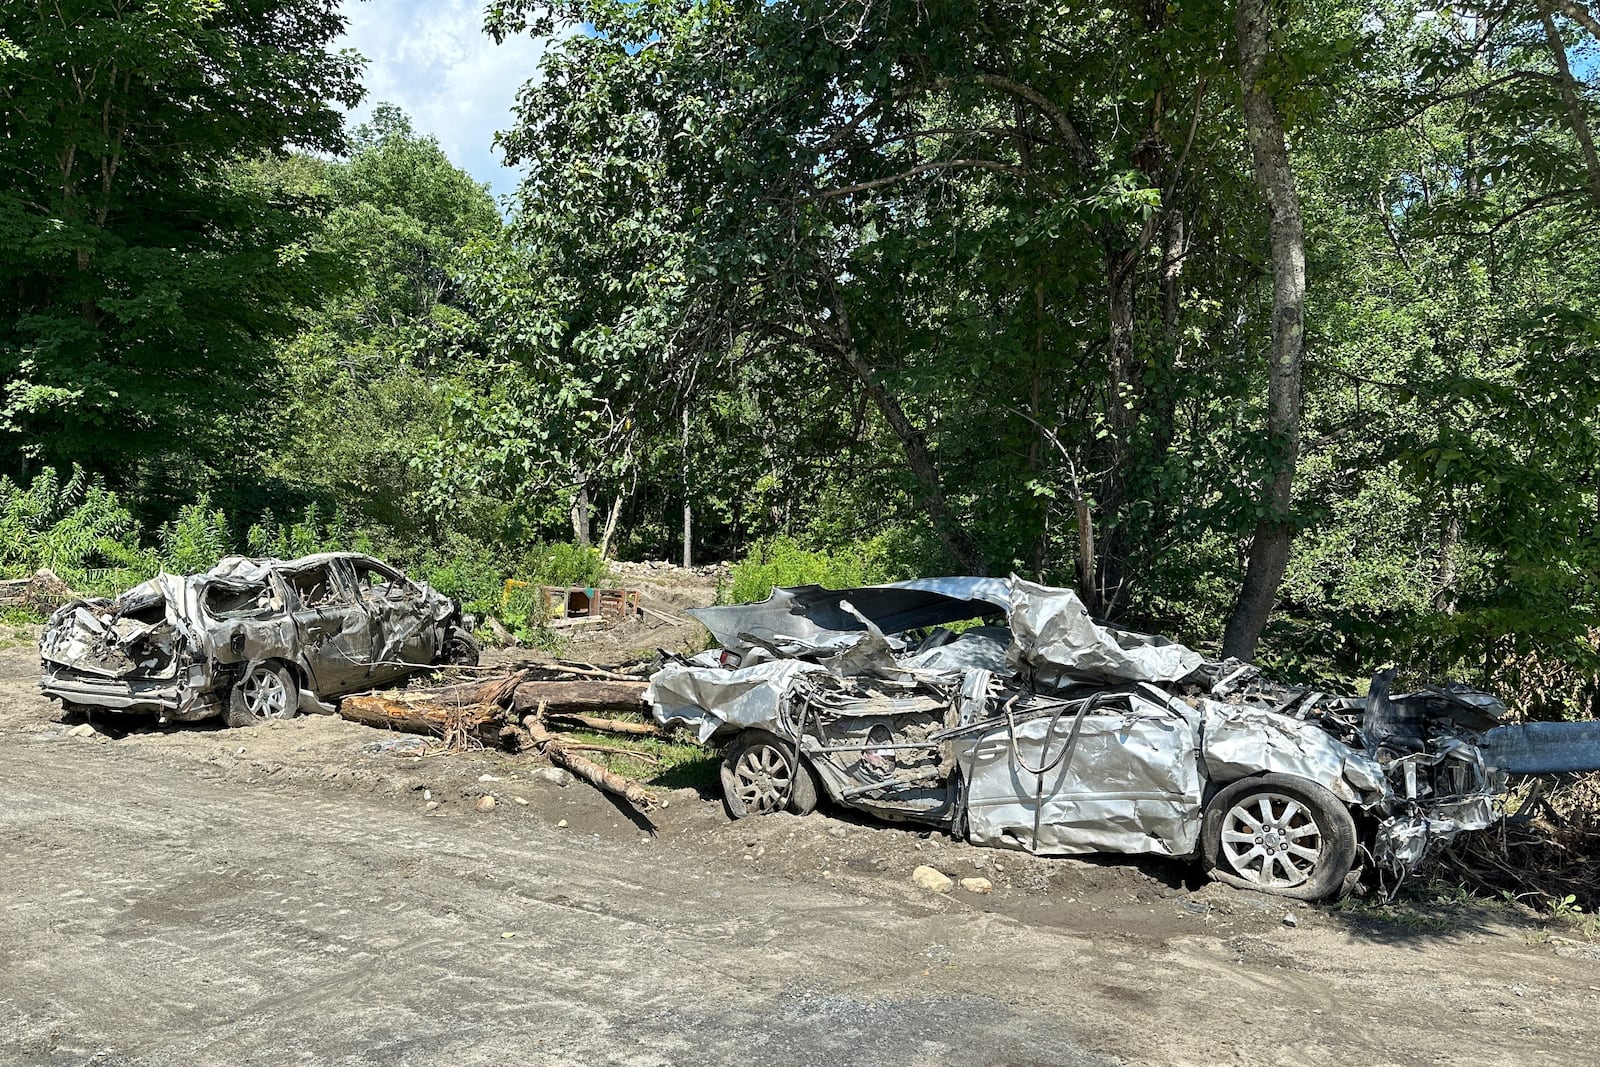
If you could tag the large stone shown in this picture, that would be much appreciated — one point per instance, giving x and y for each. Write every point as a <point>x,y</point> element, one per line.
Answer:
<point>931,880</point>
<point>977,885</point>
<point>553,775</point>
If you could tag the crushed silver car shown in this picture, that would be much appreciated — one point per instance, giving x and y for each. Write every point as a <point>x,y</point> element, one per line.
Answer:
<point>1047,731</point>
<point>250,639</point>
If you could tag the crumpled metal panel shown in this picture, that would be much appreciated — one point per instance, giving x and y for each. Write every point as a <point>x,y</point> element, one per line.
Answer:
<point>1239,741</point>
<point>708,699</point>
<point>811,620</point>
<point>1052,629</point>
<point>981,648</point>
<point>1132,783</point>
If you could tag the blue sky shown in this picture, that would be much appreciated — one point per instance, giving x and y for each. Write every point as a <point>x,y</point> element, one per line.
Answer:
<point>432,58</point>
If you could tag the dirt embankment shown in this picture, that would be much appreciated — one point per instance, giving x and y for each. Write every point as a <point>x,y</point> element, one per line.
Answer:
<point>299,891</point>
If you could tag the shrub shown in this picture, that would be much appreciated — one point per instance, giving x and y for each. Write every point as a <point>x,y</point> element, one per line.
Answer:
<point>783,561</point>
<point>464,569</point>
<point>75,527</point>
<point>195,540</point>
<point>562,563</point>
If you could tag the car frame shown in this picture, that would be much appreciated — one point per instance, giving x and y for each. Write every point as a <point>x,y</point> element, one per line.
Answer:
<point>250,639</point>
<point>1060,735</point>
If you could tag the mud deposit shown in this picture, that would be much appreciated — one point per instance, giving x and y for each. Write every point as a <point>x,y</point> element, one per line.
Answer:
<point>282,894</point>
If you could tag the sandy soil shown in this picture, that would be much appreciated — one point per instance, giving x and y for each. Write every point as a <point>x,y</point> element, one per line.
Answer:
<point>293,893</point>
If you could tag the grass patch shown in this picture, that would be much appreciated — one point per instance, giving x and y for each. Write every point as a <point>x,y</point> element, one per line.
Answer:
<point>12,636</point>
<point>18,615</point>
<point>677,762</point>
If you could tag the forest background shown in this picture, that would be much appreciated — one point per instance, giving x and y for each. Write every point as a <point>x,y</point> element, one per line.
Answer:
<point>1271,326</point>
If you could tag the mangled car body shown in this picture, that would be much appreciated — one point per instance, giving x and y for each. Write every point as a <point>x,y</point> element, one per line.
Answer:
<point>1049,732</point>
<point>250,639</point>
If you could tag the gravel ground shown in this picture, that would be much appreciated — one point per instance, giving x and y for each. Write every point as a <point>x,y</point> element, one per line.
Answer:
<point>284,894</point>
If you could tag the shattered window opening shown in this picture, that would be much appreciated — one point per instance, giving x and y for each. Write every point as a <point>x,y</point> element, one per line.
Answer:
<point>316,586</point>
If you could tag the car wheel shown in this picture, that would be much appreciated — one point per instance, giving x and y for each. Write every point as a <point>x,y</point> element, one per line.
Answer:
<point>1279,834</point>
<point>265,691</point>
<point>758,772</point>
<point>461,649</point>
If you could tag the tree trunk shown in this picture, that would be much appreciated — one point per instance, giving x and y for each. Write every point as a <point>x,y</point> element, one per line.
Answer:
<point>1269,548</point>
<point>688,514</point>
<point>611,525</point>
<point>580,698</point>
<point>581,517</point>
<point>912,439</point>
<point>1569,97</point>
<point>1122,386</point>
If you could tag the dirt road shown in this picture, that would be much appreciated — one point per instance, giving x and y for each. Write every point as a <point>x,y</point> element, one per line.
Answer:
<point>285,895</point>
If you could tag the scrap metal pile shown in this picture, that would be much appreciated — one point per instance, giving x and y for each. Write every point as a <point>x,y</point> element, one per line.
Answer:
<point>1050,732</point>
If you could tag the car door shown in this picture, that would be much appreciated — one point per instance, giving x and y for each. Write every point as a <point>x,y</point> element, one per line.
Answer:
<point>334,627</point>
<point>1129,782</point>
<point>404,631</point>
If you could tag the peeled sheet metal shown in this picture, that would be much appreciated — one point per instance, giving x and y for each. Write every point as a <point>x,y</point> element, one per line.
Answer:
<point>1543,747</point>
<point>1238,741</point>
<point>710,698</point>
<point>809,619</point>
<point>981,648</point>
<point>1132,782</point>
<point>1052,629</point>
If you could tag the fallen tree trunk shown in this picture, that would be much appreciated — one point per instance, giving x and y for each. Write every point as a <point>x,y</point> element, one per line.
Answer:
<point>459,713</point>
<point>558,752</point>
<point>579,698</point>
<point>483,723</point>
<point>611,726</point>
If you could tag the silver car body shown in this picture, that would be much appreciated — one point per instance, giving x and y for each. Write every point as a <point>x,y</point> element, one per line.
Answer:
<point>1059,735</point>
<point>339,621</point>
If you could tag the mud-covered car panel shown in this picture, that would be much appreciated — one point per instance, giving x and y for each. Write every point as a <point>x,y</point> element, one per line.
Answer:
<point>176,645</point>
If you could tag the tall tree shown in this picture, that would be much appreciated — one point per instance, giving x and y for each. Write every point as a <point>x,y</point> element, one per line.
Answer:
<point>1269,151</point>
<point>140,288</point>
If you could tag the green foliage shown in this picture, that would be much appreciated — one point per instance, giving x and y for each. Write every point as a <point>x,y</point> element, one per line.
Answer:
<point>73,526</point>
<point>195,540</point>
<point>142,287</point>
<point>464,569</point>
<point>563,564</point>
<point>783,561</point>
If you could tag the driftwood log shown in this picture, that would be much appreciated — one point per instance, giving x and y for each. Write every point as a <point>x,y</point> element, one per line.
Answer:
<point>486,712</point>
<point>579,698</point>
<point>561,754</point>
<point>609,726</point>
<point>472,712</point>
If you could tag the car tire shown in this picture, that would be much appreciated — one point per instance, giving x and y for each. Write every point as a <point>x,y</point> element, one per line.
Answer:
<point>461,649</point>
<point>1279,834</point>
<point>758,770</point>
<point>265,690</point>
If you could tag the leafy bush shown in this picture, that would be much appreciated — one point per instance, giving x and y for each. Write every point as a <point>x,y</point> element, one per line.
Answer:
<point>305,536</point>
<point>784,561</point>
<point>564,564</point>
<point>464,569</point>
<point>75,527</point>
<point>196,539</point>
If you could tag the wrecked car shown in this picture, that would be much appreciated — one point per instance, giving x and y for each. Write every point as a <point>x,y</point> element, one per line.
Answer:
<point>1044,730</point>
<point>250,639</point>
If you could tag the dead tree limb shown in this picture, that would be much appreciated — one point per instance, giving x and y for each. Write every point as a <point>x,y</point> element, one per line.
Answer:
<point>480,722</point>
<point>609,726</point>
<point>560,753</point>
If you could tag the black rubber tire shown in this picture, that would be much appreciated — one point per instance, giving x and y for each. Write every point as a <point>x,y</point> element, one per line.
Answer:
<point>460,649</point>
<point>239,712</point>
<point>1334,828</point>
<point>776,754</point>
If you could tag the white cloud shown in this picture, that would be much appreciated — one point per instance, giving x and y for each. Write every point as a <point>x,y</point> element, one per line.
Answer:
<point>433,60</point>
